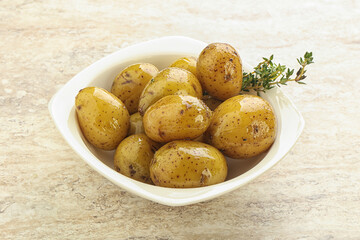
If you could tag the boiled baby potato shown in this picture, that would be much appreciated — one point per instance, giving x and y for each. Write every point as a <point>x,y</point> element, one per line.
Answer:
<point>176,117</point>
<point>187,63</point>
<point>187,164</point>
<point>242,126</point>
<point>170,81</point>
<point>219,70</point>
<point>211,102</point>
<point>133,156</point>
<point>129,84</point>
<point>103,118</point>
<point>136,124</point>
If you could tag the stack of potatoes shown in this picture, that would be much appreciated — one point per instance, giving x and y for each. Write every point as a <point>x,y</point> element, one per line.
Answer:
<point>173,127</point>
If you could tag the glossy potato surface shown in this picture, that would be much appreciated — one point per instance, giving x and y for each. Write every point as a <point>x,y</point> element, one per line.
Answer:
<point>133,156</point>
<point>187,164</point>
<point>187,63</point>
<point>170,81</point>
<point>130,83</point>
<point>219,70</point>
<point>242,126</point>
<point>176,117</point>
<point>103,118</point>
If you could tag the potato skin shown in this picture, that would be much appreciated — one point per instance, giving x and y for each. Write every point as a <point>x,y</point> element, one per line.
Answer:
<point>136,124</point>
<point>219,70</point>
<point>129,84</point>
<point>133,156</point>
<point>103,118</point>
<point>187,63</point>
<point>187,164</point>
<point>170,81</point>
<point>242,126</point>
<point>176,117</point>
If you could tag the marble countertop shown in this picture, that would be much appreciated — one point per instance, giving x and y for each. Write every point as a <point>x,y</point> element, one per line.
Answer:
<point>48,192</point>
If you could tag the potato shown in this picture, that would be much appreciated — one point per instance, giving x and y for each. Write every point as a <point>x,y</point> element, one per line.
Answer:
<point>136,124</point>
<point>170,81</point>
<point>133,156</point>
<point>176,117</point>
<point>103,118</point>
<point>242,126</point>
<point>211,102</point>
<point>219,70</point>
<point>186,164</point>
<point>187,63</point>
<point>130,83</point>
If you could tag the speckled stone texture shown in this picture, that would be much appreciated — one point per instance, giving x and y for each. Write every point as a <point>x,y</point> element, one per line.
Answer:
<point>48,192</point>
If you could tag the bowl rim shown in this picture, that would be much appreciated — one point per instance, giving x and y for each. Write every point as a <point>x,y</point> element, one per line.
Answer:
<point>141,189</point>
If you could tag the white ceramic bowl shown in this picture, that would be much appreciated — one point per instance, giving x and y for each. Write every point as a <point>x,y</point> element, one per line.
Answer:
<point>161,52</point>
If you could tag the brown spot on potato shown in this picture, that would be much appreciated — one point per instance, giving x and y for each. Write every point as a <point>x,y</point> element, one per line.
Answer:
<point>132,170</point>
<point>208,114</point>
<point>227,77</point>
<point>162,133</point>
<point>256,129</point>
<point>127,81</point>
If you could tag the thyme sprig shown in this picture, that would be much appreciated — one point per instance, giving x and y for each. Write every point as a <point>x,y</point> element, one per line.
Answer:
<point>267,74</point>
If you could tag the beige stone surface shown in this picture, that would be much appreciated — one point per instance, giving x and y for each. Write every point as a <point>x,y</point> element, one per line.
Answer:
<point>48,192</point>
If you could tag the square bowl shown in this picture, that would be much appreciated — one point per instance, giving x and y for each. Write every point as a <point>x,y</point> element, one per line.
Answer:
<point>162,52</point>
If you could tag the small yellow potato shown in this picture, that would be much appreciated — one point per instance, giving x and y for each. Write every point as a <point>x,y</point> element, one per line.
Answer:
<point>187,164</point>
<point>242,126</point>
<point>219,70</point>
<point>136,124</point>
<point>130,83</point>
<point>176,117</point>
<point>170,81</point>
<point>133,156</point>
<point>103,118</point>
<point>187,63</point>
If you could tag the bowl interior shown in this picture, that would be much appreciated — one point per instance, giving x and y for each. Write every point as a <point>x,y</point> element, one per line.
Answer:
<point>105,80</point>
<point>162,52</point>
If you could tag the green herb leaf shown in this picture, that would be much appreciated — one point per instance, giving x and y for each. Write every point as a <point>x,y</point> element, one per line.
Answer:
<point>267,74</point>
